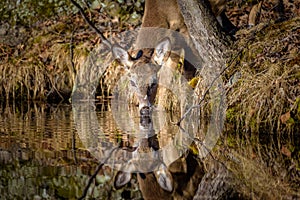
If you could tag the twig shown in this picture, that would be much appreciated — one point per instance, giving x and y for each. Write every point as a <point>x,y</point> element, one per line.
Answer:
<point>99,167</point>
<point>206,91</point>
<point>72,54</point>
<point>196,140</point>
<point>202,98</point>
<point>54,88</point>
<point>104,40</point>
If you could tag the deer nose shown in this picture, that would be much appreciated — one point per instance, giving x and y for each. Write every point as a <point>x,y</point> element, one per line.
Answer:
<point>145,111</point>
<point>144,106</point>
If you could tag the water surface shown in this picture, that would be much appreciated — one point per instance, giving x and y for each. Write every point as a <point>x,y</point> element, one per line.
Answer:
<point>51,151</point>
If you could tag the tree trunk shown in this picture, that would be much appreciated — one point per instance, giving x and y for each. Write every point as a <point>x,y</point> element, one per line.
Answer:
<point>205,32</point>
<point>211,45</point>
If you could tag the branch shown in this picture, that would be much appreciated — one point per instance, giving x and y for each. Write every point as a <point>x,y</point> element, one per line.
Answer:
<point>197,142</point>
<point>99,167</point>
<point>206,91</point>
<point>202,98</point>
<point>104,40</point>
<point>72,55</point>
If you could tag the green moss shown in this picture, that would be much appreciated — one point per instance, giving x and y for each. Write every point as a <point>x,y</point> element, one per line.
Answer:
<point>231,114</point>
<point>81,50</point>
<point>38,39</point>
<point>290,121</point>
<point>231,141</point>
<point>253,124</point>
<point>60,27</point>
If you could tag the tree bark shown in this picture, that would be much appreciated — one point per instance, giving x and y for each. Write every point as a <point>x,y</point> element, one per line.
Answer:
<point>205,32</point>
<point>211,45</point>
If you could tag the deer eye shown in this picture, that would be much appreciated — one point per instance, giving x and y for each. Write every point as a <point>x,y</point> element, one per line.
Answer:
<point>139,54</point>
<point>132,83</point>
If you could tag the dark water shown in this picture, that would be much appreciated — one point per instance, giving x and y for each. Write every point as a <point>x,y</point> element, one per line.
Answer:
<point>42,156</point>
<point>51,151</point>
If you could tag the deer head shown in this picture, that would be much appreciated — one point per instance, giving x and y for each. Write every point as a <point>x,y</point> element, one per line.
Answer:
<point>142,71</point>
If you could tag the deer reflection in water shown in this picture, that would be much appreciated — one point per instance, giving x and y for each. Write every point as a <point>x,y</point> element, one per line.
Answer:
<point>156,180</point>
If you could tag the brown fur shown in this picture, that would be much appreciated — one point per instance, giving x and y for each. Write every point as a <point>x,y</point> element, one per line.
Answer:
<point>163,14</point>
<point>166,14</point>
<point>186,173</point>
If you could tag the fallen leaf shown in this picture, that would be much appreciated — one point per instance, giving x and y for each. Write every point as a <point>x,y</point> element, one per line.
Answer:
<point>286,151</point>
<point>285,117</point>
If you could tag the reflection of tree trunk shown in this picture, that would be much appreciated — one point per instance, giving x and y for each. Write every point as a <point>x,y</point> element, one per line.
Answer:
<point>218,183</point>
<point>74,147</point>
<point>205,31</point>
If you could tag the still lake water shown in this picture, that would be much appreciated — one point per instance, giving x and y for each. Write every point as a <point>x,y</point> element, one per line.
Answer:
<point>51,151</point>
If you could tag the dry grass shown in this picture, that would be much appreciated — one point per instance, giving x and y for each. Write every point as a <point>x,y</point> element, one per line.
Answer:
<point>39,68</point>
<point>269,85</point>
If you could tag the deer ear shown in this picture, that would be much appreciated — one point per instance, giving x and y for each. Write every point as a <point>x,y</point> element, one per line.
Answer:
<point>164,178</point>
<point>121,179</point>
<point>121,55</point>
<point>162,51</point>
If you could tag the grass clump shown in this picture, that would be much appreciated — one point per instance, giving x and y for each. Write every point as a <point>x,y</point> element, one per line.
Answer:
<point>269,85</point>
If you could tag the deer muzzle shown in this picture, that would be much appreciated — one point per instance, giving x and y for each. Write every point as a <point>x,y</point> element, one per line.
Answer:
<point>145,111</point>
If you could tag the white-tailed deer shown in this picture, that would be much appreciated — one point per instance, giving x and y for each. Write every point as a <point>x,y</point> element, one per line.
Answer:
<point>157,180</point>
<point>143,69</point>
